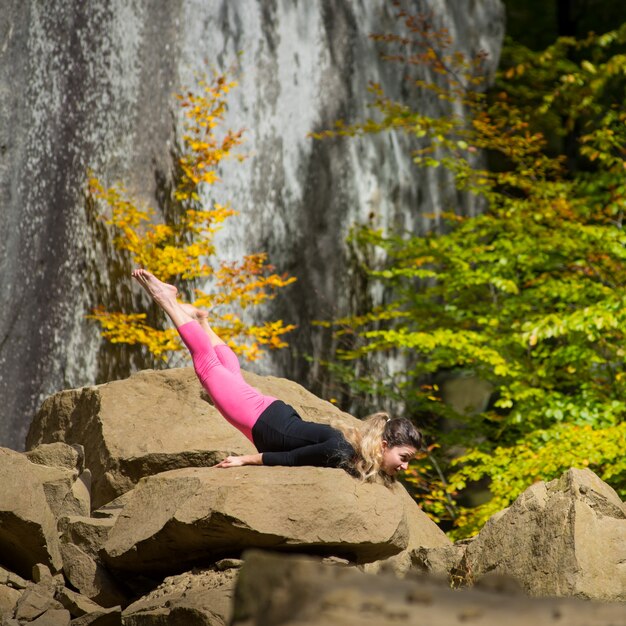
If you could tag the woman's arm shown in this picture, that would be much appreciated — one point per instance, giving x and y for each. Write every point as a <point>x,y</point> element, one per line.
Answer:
<point>238,461</point>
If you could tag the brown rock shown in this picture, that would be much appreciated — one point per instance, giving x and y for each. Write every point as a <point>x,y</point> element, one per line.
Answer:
<point>27,526</point>
<point>422,536</point>
<point>110,617</point>
<point>126,426</point>
<point>35,601</point>
<point>53,617</point>
<point>201,597</point>
<point>66,485</point>
<point>87,533</point>
<point>275,590</point>
<point>77,604</point>
<point>42,573</point>
<point>8,599</point>
<point>562,538</point>
<point>86,611</point>
<point>58,454</point>
<point>186,516</point>
<point>90,578</point>
<point>12,580</point>
<point>58,485</point>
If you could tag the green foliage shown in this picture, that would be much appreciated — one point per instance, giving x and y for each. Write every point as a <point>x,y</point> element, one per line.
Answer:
<point>530,294</point>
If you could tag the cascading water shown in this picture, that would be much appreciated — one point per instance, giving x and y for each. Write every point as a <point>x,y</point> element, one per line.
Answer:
<point>89,85</point>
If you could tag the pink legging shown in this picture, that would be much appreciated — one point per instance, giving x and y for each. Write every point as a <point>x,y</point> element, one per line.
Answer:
<point>218,370</point>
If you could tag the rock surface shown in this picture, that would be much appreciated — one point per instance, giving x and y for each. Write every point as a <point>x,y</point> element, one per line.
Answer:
<point>28,532</point>
<point>285,590</point>
<point>196,598</point>
<point>562,538</point>
<point>186,515</point>
<point>153,422</point>
<point>99,95</point>
<point>566,537</point>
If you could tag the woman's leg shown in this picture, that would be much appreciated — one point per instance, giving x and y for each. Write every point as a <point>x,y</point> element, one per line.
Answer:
<point>240,403</point>
<point>226,356</point>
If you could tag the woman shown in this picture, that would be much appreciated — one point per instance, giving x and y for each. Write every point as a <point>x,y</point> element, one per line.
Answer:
<point>382,446</point>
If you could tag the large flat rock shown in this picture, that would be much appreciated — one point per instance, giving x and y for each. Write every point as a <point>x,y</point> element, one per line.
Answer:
<point>155,421</point>
<point>184,516</point>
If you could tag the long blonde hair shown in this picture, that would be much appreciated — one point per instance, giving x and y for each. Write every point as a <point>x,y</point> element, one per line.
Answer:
<point>367,438</point>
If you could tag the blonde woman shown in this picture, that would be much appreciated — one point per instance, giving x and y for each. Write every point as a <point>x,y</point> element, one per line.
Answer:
<point>381,447</point>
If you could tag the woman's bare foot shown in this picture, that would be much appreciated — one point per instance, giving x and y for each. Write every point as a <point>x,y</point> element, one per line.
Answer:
<point>164,295</point>
<point>160,292</point>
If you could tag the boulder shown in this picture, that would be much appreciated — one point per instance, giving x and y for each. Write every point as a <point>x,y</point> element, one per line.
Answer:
<point>67,484</point>
<point>65,490</point>
<point>192,515</point>
<point>201,597</point>
<point>110,617</point>
<point>28,532</point>
<point>443,561</point>
<point>152,422</point>
<point>86,574</point>
<point>566,537</point>
<point>8,599</point>
<point>35,601</point>
<point>58,455</point>
<point>53,617</point>
<point>88,611</point>
<point>423,535</point>
<point>87,533</point>
<point>81,540</point>
<point>280,590</point>
<point>12,580</point>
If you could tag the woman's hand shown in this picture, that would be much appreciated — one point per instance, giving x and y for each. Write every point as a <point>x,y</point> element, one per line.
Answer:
<point>238,461</point>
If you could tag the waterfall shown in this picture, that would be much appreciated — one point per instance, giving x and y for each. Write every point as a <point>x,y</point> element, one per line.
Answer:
<point>90,85</point>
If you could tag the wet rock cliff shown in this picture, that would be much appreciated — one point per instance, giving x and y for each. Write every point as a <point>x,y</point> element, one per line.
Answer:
<point>89,85</point>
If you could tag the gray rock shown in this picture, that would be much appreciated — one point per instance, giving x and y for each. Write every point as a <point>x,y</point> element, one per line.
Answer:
<point>185,516</point>
<point>99,94</point>
<point>275,590</point>
<point>562,538</point>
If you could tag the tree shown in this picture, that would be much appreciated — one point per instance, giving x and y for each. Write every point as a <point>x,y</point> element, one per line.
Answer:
<point>179,247</point>
<point>530,294</point>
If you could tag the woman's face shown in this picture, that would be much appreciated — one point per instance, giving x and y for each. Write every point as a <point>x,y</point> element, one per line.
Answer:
<point>396,458</point>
